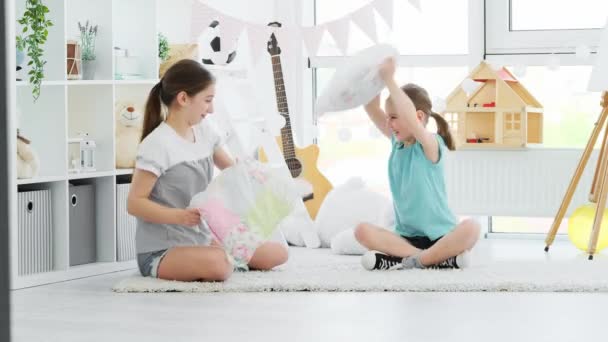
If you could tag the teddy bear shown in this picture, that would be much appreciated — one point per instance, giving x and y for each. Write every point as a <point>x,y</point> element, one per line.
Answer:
<point>128,133</point>
<point>28,163</point>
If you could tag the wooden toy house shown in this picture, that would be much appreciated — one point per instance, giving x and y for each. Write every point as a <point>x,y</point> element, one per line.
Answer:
<point>499,113</point>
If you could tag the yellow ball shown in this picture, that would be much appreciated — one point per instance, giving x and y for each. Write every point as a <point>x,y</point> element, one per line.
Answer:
<point>580,225</point>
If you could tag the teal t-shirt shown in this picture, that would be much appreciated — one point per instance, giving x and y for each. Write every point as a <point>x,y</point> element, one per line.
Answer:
<point>418,189</point>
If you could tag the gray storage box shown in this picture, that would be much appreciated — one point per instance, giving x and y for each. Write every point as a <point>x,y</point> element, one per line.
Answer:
<point>35,235</point>
<point>83,232</point>
<point>125,225</point>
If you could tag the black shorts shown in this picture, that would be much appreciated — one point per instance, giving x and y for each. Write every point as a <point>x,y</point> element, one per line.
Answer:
<point>420,242</point>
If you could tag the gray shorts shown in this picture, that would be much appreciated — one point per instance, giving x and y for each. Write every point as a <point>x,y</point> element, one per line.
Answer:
<point>148,262</point>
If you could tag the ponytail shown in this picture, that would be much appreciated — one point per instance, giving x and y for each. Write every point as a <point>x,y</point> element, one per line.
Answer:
<point>443,130</point>
<point>421,100</point>
<point>152,114</point>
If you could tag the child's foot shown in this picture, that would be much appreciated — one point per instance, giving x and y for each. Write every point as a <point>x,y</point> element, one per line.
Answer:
<point>374,260</point>
<point>462,260</point>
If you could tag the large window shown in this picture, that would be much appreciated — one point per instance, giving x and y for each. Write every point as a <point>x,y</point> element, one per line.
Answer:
<point>537,40</point>
<point>543,26</point>
<point>441,27</point>
<point>565,14</point>
<point>569,110</point>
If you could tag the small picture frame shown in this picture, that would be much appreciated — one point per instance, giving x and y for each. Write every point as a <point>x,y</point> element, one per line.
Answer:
<point>74,60</point>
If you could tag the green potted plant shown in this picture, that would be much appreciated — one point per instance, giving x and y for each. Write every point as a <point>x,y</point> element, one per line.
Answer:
<point>163,50</point>
<point>87,43</point>
<point>163,47</point>
<point>33,36</point>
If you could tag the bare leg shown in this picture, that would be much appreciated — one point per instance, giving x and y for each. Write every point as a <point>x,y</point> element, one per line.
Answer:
<point>268,256</point>
<point>381,240</point>
<point>195,263</point>
<point>462,238</point>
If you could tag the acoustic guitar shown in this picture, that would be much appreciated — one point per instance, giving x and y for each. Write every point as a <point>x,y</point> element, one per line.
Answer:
<point>301,162</point>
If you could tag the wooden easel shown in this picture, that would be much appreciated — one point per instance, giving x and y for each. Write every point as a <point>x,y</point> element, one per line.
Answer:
<point>599,187</point>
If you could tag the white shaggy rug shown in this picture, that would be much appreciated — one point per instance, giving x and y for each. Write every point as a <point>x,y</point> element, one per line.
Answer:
<point>320,270</point>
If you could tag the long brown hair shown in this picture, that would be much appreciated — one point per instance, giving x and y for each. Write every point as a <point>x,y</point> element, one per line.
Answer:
<point>422,101</point>
<point>186,75</point>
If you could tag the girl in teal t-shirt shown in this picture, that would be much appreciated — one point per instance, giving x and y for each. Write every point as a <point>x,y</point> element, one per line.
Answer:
<point>426,232</point>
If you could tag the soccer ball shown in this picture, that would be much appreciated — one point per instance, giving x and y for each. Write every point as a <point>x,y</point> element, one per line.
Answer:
<point>212,47</point>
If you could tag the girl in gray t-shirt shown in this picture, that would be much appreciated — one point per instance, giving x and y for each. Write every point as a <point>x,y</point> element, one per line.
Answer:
<point>175,161</point>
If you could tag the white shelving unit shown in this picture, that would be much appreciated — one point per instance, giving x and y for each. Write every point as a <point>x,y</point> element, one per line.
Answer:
<point>67,107</point>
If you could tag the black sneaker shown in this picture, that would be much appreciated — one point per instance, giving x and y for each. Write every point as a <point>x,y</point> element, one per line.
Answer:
<point>374,260</point>
<point>462,260</point>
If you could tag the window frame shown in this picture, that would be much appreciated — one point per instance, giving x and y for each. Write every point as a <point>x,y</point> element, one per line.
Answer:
<point>501,39</point>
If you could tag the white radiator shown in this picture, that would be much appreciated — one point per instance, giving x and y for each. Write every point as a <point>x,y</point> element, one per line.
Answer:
<point>515,183</point>
<point>35,232</point>
<point>125,225</point>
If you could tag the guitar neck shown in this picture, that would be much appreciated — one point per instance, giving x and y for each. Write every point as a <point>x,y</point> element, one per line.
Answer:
<point>279,87</point>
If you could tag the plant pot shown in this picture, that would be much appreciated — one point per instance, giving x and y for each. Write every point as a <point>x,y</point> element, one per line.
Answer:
<point>88,69</point>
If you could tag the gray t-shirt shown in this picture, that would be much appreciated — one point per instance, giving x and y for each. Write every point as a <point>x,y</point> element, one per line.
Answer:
<point>183,169</point>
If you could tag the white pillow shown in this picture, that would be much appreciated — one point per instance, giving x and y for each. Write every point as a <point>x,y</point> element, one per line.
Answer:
<point>356,82</point>
<point>349,204</point>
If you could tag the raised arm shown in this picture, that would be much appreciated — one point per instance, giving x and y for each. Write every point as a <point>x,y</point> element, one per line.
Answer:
<point>405,109</point>
<point>378,116</point>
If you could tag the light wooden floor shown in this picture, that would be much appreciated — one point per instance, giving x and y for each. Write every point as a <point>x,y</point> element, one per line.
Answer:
<point>86,310</point>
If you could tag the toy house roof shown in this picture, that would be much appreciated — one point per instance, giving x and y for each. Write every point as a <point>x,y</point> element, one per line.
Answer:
<point>507,86</point>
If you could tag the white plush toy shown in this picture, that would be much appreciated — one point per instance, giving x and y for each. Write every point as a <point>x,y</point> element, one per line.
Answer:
<point>299,229</point>
<point>356,82</point>
<point>347,205</point>
<point>128,134</point>
<point>27,159</point>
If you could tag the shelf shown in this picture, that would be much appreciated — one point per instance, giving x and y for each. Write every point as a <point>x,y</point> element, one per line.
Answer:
<point>44,83</point>
<point>72,176</point>
<point>43,123</point>
<point>95,174</point>
<point>68,107</point>
<point>89,82</point>
<point>90,110</point>
<point>142,81</point>
<point>36,180</point>
<point>121,172</point>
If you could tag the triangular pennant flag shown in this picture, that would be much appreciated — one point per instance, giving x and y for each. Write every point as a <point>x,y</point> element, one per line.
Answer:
<point>339,30</point>
<point>287,35</point>
<point>365,19</point>
<point>312,38</point>
<point>258,37</point>
<point>416,4</point>
<point>230,31</point>
<point>598,81</point>
<point>201,16</point>
<point>385,9</point>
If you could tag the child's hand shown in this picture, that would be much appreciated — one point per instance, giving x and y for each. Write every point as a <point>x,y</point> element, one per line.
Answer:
<point>189,217</point>
<point>387,69</point>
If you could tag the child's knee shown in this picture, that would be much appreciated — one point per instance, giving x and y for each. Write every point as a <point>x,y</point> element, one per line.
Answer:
<point>220,268</point>
<point>362,232</point>
<point>472,229</point>
<point>280,256</point>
